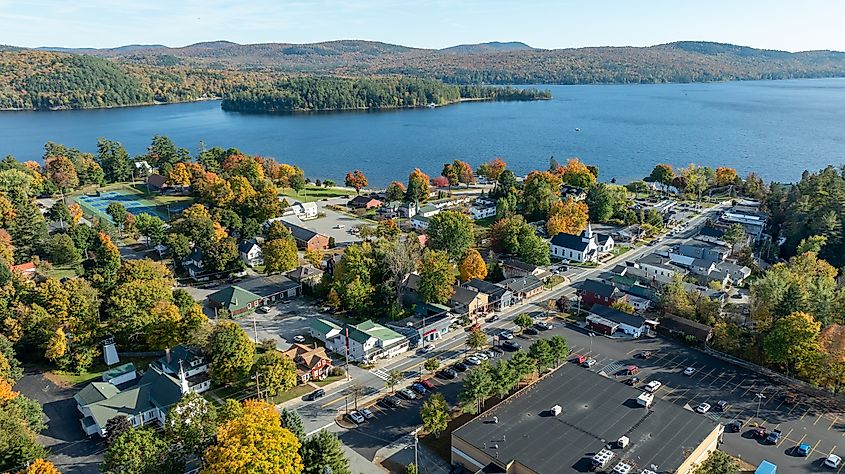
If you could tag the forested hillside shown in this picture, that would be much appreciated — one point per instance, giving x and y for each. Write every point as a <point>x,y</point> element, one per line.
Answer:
<point>319,94</point>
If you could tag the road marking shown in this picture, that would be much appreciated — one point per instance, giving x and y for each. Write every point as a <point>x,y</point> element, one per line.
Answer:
<point>806,412</point>
<point>814,448</point>
<point>380,373</point>
<point>785,437</point>
<point>817,419</point>
<point>318,429</point>
<point>727,382</point>
<point>749,389</point>
<point>801,440</point>
<point>833,423</point>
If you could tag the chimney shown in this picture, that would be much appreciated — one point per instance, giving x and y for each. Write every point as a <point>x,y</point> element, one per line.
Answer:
<point>167,355</point>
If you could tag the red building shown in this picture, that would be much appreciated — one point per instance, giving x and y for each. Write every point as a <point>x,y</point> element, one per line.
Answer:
<point>598,292</point>
<point>312,363</point>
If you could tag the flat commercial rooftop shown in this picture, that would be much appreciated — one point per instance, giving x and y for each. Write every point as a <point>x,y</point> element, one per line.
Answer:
<point>596,411</point>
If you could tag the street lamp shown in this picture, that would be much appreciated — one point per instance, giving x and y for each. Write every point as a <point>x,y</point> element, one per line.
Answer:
<point>591,343</point>
<point>760,398</point>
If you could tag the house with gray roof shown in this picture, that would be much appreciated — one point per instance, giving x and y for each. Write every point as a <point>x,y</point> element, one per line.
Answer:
<point>584,247</point>
<point>498,297</point>
<point>607,320</point>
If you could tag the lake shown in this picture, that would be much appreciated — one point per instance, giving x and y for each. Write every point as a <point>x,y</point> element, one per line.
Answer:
<point>775,128</point>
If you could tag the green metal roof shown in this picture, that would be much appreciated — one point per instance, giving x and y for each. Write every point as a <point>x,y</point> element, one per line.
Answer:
<point>233,298</point>
<point>95,392</point>
<point>323,326</point>
<point>118,371</point>
<point>368,328</point>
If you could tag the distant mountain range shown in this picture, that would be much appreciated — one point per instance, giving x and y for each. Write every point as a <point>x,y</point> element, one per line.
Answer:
<point>165,74</point>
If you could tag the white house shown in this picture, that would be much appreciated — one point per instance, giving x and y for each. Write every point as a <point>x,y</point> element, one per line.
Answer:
<point>482,211</point>
<point>193,263</point>
<point>420,222</point>
<point>366,341</point>
<point>657,266</point>
<point>250,253</point>
<point>303,210</point>
<point>608,321</point>
<point>584,247</point>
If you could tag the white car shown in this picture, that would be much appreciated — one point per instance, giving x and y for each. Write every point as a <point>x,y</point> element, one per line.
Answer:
<point>652,386</point>
<point>299,338</point>
<point>833,461</point>
<point>473,360</point>
<point>481,356</point>
<point>506,335</point>
<point>367,414</point>
<point>703,408</point>
<point>356,417</point>
<point>264,309</point>
<point>339,226</point>
<point>426,349</point>
<point>689,371</point>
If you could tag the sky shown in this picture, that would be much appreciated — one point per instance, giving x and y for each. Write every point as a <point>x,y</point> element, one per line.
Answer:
<point>773,24</point>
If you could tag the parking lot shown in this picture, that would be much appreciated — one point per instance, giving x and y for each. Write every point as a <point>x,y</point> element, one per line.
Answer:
<point>330,225</point>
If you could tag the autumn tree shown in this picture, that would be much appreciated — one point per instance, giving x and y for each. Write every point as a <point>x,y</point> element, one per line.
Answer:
<point>577,174</point>
<point>540,190</point>
<point>718,462</point>
<point>477,386</point>
<point>437,275</point>
<point>435,414</point>
<point>431,364</point>
<point>476,339</point>
<point>419,186</point>
<point>275,372</point>
<point>40,466</point>
<point>492,169</point>
<point>191,424</point>
<point>540,352</point>
<point>395,191</point>
<point>726,176</point>
<point>472,266</point>
<point>138,451</point>
<point>450,174</point>
<point>356,180</point>
<point>523,321</point>
<point>231,353</point>
<point>279,255</point>
<point>662,174</point>
<point>165,328</point>
<point>254,442</point>
<point>62,173</point>
<point>464,172</point>
<point>116,426</point>
<point>151,227</point>
<point>793,341</point>
<point>179,175</point>
<point>569,217</point>
<point>452,232</point>
<point>623,305</point>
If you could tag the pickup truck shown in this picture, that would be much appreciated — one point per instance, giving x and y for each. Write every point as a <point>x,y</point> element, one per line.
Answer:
<point>773,437</point>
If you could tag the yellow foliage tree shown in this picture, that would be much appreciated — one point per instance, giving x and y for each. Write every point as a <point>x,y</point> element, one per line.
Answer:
<point>725,176</point>
<point>57,345</point>
<point>570,217</point>
<point>179,175</point>
<point>40,466</point>
<point>472,266</point>
<point>75,213</point>
<point>254,443</point>
<point>6,392</point>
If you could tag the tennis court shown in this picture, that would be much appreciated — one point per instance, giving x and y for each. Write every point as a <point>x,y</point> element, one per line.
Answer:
<point>135,203</point>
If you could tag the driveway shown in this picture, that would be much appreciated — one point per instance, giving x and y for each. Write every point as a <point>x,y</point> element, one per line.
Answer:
<point>71,451</point>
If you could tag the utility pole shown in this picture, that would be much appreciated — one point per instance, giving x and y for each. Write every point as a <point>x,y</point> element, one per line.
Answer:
<point>760,398</point>
<point>257,387</point>
<point>348,377</point>
<point>254,327</point>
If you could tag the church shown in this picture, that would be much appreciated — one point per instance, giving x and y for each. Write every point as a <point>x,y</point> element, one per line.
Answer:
<point>584,247</point>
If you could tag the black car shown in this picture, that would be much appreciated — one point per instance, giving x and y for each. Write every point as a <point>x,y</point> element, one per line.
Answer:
<point>733,427</point>
<point>632,381</point>
<point>448,373</point>
<point>315,395</point>
<point>391,402</point>
<point>510,345</point>
<point>531,332</point>
<point>460,367</point>
<point>722,405</point>
<point>498,350</point>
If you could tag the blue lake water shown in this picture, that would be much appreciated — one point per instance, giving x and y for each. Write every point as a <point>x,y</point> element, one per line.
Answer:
<point>776,128</point>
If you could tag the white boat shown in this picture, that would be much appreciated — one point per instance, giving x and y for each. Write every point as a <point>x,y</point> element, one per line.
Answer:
<point>431,105</point>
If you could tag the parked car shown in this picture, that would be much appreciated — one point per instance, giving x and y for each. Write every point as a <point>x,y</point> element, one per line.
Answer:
<point>653,386</point>
<point>689,371</point>
<point>299,338</point>
<point>506,335</point>
<point>588,363</point>
<point>356,417</point>
<point>722,405</point>
<point>530,332</point>
<point>339,226</point>
<point>427,384</point>
<point>543,326</point>
<point>460,366</point>
<point>510,345</point>
<point>481,355</point>
<point>391,402</point>
<point>264,309</point>
<point>759,433</point>
<point>473,360</point>
<point>419,388</point>
<point>315,394</point>
<point>496,350</point>
<point>802,449</point>
<point>773,437</point>
<point>733,427</point>
<point>492,318</point>
<point>632,370</point>
<point>703,408</point>
<point>407,394</point>
<point>833,461</point>
<point>646,355</point>
<point>367,413</point>
<point>580,359</point>
<point>632,381</point>
<point>449,373</point>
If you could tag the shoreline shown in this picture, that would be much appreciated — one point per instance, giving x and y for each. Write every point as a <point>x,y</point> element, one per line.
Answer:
<point>107,107</point>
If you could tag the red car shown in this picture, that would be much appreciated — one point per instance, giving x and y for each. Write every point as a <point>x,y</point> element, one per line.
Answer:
<point>427,384</point>
<point>760,432</point>
<point>580,359</point>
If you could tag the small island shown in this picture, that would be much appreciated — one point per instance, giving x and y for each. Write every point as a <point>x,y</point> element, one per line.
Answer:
<point>312,94</point>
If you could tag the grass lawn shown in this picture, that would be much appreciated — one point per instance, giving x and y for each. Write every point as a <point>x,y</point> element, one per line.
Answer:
<point>94,373</point>
<point>486,222</point>
<point>313,193</point>
<point>302,390</point>
<point>617,251</point>
<point>62,271</point>
<point>554,281</point>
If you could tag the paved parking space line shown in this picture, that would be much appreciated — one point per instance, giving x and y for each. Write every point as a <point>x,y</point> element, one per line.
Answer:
<point>749,389</point>
<point>813,449</point>
<point>709,373</point>
<point>801,440</point>
<point>782,440</point>
<point>806,412</point>
<point>728,381</point>
<point>817,419</point>
<point>833,423</point>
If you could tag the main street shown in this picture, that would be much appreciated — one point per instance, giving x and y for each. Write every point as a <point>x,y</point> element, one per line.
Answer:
<point>321,414</point>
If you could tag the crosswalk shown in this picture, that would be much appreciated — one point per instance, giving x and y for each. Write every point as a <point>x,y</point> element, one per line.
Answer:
<point>380,373</point>
<point>611,368</point>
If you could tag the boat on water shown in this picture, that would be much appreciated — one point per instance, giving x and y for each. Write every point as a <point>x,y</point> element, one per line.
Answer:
<point>431,105</point>
<point>577,129</point>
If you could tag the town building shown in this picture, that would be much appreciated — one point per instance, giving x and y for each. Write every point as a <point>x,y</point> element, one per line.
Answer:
<point>482,208</point>
<point>249,294</point>
<point>250,252</point>
<point>598,292</point>
<point>630,234</point>
<point>26,269</point>
<point>390,210</point>
<point>429,323</point>
<point>656,265</point>
<point>686,327</point>
<point>306,275</point>
<point>366,342</point>
<point>558,424</point>
<point>515,268</point>
<point>499,297</point>
<point>420,222</point>
<point>312,362</point>
<point>120,374</point>
<point>574,192</point>
<point>428,210</point>
<point>364,202</point>
<point>302,210</point>
<point>468,301</point>
<point>608,321</point>
<point>524,287</point>
<point>306,239</point>
<point>156,182</point>
<point>191,363</point>
<point>145,403</point>
<point>584,247</point>
<point>323,330</point>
